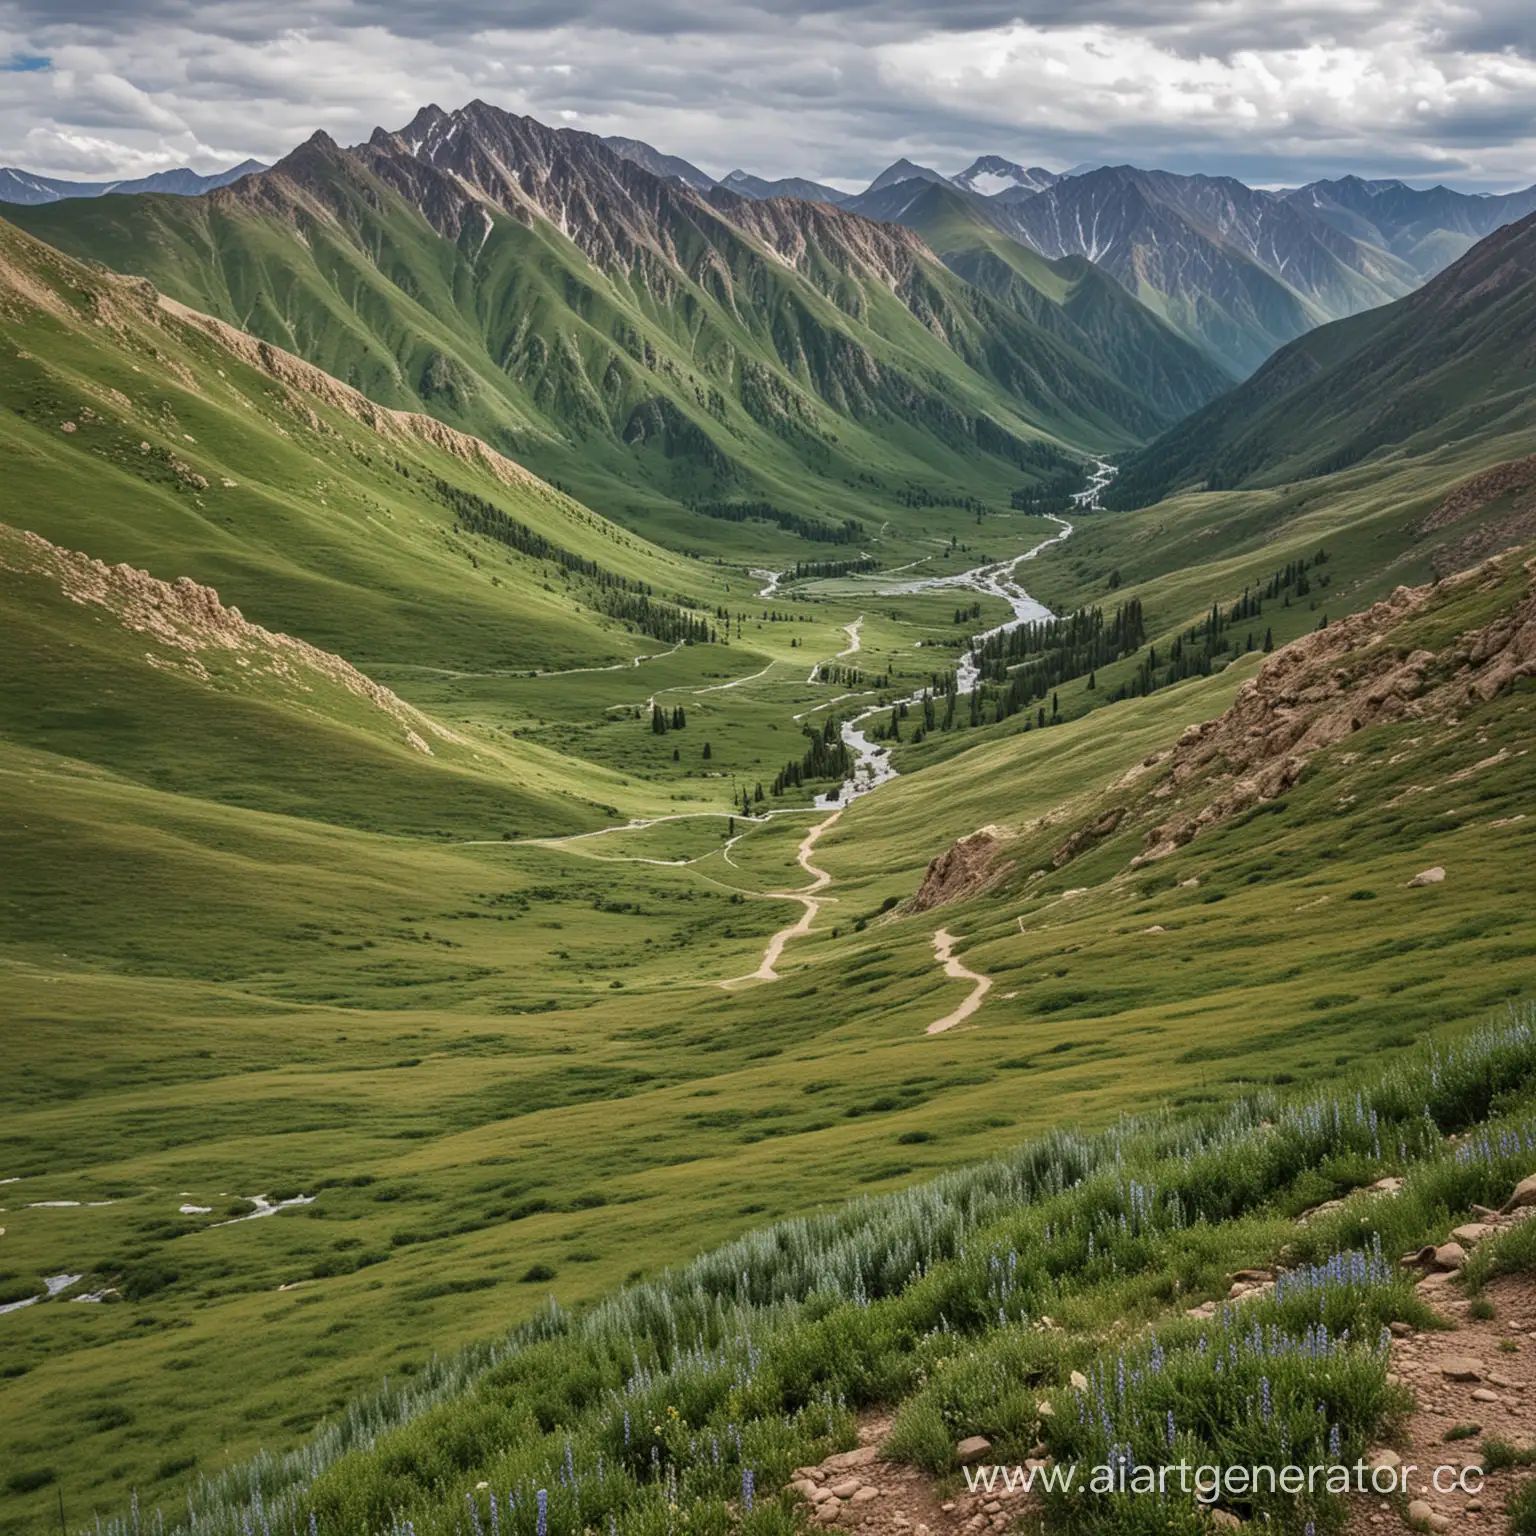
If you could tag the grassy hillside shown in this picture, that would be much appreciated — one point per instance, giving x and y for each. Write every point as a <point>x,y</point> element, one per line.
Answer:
<point>483,1018</point>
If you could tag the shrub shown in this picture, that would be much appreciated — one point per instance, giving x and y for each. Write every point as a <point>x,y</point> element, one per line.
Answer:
<point>31,1480</point>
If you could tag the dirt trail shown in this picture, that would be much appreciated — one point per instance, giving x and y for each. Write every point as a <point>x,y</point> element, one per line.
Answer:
<point>852,631</point>
<point>944,952</point>
<point>1475,1382</point>
<point>866,1491</point>
<point>820,880</point>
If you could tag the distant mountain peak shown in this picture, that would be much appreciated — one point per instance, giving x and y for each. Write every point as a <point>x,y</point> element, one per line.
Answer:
<point>988,175</point>
<point>902,170</point>
<point>745,184</point>
<point>19,186</point>
<point>660,164</point>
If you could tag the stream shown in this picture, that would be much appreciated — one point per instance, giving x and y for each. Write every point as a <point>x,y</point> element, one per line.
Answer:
<point>872,765</point>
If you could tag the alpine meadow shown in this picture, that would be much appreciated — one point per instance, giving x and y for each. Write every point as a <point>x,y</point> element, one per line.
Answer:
<point>713,855</point>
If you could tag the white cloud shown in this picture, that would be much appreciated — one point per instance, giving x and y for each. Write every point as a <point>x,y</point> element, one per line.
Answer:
<point>1272,90</point>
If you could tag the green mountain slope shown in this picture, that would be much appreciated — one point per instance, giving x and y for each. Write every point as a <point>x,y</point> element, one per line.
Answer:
<point>643,345</point>
<point>1450,364</point>
<point>494,1010</point>
<point>1070,297</point>
<point>198,465</point>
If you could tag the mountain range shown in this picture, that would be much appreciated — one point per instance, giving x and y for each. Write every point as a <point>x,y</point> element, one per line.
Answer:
<point>445,583</point>
<point>1448,365</point>
<point>18,186</point>
<point>1236,270</point>
<point>1239,272</point>
<point>673,356</point>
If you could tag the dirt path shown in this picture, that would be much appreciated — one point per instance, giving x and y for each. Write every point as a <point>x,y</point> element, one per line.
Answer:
<point>861,1490</point>
<point>944,952</point>
<point>852,631</point>
<point>1477,1380</point>
<point>820,880</point>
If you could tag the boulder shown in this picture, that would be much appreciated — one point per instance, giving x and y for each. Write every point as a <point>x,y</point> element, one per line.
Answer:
<point>847,1459</point>
<point>1524,1195</point>
<point>1461,1368</point>
<point>846,1487</point>
<point>1419,1512</point>
<point>1450,1256</point>
<point>1079,1382</point>
<point>1472,1232</point>
<point>1385,1457</point>
<point>1432,876</point>
<point>972,1449</point>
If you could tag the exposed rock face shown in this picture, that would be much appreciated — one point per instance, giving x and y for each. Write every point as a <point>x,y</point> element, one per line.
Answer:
<point>1085,837</point>
<point>966,868</point>
<point>1513,487</point>
<point>1322,688</point>
<point>301,378</point>
<point>189,618</point>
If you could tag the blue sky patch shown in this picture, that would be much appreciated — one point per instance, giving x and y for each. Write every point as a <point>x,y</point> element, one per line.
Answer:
<point>25,64</point>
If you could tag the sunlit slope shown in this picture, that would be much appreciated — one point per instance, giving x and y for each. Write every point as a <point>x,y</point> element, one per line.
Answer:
<point>429,1039</point>
<point>328,535</point>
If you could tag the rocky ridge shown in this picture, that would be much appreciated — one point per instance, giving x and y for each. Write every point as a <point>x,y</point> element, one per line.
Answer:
<point>1322,688</point>
<point>189,618</point>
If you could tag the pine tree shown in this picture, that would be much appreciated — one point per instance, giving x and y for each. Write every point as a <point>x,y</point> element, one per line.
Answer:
<point>706,752</point>
<point>1269,640</point>
<point>1092,682</point>
<point>658,721</point>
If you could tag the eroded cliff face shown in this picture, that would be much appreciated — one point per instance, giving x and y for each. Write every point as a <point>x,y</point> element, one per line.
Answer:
<point>1321,689</point>
<point>966,868</point>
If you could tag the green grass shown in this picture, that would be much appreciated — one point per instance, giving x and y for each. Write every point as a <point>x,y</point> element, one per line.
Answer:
<point>253,942</point>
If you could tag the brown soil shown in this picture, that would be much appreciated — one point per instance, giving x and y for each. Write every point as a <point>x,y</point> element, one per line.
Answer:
<point>1442,1404</point>
<point>887,1497</point>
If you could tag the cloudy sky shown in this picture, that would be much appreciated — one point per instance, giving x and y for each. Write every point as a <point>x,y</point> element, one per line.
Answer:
<point>1273,91</point>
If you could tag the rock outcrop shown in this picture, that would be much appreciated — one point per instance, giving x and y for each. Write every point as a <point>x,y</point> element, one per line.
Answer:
<point>1322,688</point>
<point>184,616</point>
<point>966,868</point>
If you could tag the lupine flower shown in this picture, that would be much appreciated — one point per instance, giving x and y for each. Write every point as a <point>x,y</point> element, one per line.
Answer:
<point>543,1520</point>
<point>748,1486</point>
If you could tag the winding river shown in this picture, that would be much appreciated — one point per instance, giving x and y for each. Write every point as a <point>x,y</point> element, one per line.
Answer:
<point>872,765</point>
